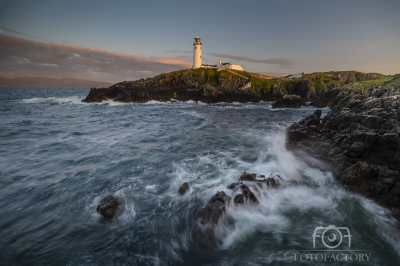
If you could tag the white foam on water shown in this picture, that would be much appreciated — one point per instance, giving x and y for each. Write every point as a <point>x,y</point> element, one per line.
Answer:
<point>304,189</point>
<point>55,100</point>
<point>157,102</point>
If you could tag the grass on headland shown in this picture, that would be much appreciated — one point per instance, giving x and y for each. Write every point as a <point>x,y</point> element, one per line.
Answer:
<point>374,82</point>
<point>265,84</point>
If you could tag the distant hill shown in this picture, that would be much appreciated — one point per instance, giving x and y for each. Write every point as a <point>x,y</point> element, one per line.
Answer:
<point>51,82</point>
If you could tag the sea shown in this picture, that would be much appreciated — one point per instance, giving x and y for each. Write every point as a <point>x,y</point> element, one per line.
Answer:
<point>59,157</point>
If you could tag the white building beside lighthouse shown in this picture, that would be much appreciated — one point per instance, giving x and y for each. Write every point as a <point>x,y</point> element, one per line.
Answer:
<point>197,58</point>
<point>229,66</point>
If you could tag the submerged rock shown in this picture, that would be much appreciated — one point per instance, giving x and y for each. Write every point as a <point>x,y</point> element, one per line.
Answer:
<point>108,206</point>
<point>183,188</point>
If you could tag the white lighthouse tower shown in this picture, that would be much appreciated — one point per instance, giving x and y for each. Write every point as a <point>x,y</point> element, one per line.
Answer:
<point>197,52</point>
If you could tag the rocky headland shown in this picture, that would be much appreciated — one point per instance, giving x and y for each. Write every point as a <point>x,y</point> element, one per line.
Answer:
<point>359,137</point>
<point>212,86</point>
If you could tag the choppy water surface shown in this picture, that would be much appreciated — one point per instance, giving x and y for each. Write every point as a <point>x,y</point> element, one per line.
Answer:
<point>59,157</point>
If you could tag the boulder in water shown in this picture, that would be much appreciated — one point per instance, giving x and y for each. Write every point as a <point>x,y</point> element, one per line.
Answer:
<point>108,206</point>
<point>183,188</point>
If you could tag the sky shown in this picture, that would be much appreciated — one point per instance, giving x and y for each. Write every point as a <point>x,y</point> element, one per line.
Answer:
<point>127,40</point>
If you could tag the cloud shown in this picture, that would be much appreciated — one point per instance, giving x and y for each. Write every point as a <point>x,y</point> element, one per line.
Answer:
<point>13,31</point>
<point>21,33</point>
<point>23,57</point>
<point>281,62</point>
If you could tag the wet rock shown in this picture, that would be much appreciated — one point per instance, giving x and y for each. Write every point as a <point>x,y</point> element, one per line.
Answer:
<point>208,217</point>
<point>247,177</point>
<point>233,185</point>
<point>246,194</point>
<point>214,209</point>
<point>360,138</point>
<point>271,182</point>
<point>108,206</point>
<point>249,195</point>
<point>239,199</point>
<point>274,180</point>
<point>183,188</point>
<point>290,101</point>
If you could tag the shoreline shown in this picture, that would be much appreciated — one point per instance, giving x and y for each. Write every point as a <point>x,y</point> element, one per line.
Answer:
<point>212,86</point>
<point>360,139</point>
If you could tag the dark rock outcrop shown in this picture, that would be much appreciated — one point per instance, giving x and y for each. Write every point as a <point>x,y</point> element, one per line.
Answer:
<point>360,137</point>
<point>246,196</point>
<point>183,188</point>
<point>212,86</point>
<point>273,180</point>
<point>248,177</point>
<point>332,97</point>
<point>290,101</point>
<point>208,218</point>
<point>108,206</point>
<point>180,85</point>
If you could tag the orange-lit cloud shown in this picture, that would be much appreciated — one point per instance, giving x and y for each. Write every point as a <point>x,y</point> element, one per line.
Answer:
<point>23,57</point>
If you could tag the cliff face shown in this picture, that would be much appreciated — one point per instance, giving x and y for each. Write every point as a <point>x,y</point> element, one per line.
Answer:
<point>211,86</point>
<point>207,86</point>
<point>300,87</point>
<point>360,137</point>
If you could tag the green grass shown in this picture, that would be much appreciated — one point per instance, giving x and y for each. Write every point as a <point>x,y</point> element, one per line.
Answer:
<point>324,80</point>
<point>206,71</point>
<point>170,73</point>
<point>371,83</point>
<point>212,76</point>
<point>319,84</point>
<point>226,74</point>
<point>247,75</point>
<point>331,84</point>
<point>265,84</point>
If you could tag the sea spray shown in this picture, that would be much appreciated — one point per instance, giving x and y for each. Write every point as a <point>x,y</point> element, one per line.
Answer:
<point>58,161</point>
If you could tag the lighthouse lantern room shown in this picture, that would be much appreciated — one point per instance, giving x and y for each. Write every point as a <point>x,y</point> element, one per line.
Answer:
<point>197,52</point>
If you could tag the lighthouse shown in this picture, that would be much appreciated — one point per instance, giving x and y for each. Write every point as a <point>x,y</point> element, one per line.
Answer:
<point>197,52</point>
